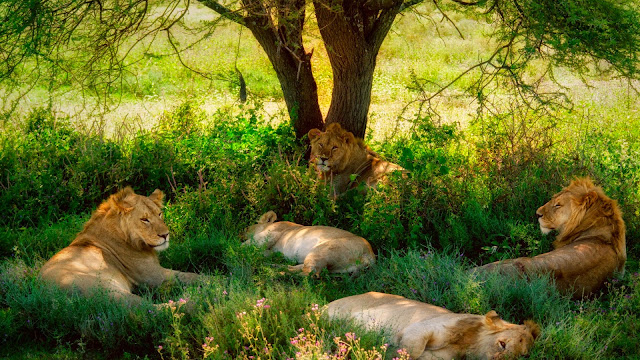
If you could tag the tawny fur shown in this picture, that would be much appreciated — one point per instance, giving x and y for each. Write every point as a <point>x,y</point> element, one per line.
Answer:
<point>313,247</point>
<point>430,332</point>
<point>590,246</point>
<point>116,250</point>
<point>336,155</point>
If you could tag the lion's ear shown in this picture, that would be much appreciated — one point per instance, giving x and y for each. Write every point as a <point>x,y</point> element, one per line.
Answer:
<point>117,202</point>
<point>348,138</point>
<point>492,319</point>
<point>533,328</point>
<point>313,133</point>
<point>157,196</point>
<point>268,217</point>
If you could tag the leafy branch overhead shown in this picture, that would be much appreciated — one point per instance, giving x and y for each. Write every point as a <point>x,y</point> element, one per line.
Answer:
<point>87,44</point>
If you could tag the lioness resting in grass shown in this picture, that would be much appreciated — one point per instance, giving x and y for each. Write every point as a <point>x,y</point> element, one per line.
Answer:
<point>431,332</point>
<point>344,161</point>
<point>117,249</point>
<point>314,247</point>
<point>590,246</point>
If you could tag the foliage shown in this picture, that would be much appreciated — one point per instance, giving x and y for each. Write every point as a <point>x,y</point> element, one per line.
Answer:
<point>470,198</point>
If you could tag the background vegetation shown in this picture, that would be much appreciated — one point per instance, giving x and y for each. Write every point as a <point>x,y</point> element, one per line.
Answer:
<point>470,199</point>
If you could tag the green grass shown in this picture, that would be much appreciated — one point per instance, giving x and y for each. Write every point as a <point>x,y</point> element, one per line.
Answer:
<point>470,199</point>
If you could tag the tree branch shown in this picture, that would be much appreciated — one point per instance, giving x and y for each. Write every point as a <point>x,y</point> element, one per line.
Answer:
<point>224,11</point>
<point>466,3</point>
<point>409,4</point>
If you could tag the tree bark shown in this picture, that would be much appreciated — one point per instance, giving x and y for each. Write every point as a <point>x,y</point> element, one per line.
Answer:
<point>280,35</point>
<point>353,32</point>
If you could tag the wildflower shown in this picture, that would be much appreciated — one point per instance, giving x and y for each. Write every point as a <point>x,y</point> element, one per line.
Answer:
<point>182,301</point>
<point>414,291</point>
<point>314,307</point>
<point>224,292</point>
<point>301,330</point>
<point>350,336</point>
<point>260,303</point>
<point>159,347</point>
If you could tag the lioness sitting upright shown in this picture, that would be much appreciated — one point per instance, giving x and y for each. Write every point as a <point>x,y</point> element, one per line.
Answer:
<point>589,248</point>
<point>314,247</point>
<point>430,332</point>
<point>337,155</point>
<point>117,248</point>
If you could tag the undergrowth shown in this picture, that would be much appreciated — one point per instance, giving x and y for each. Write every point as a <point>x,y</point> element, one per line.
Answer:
<point>470,198</point>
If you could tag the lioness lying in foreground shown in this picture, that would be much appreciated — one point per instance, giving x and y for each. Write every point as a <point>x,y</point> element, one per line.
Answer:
<point>314,247</point>
<point>589,248</point>
<point>117,248</point>
<point>431,332</point>
<point>337,155</point>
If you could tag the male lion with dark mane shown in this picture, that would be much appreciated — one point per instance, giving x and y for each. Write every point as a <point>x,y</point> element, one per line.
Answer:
<point>117,249</point>
<point>590,246</point>
<point>430,332</point>
<point>337,155</point>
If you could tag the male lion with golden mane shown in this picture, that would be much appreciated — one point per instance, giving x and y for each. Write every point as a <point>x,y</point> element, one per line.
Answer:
<point>338,155</point>
<point>117,249</point>
<point>430,332</point>
<point>590,246</point>
<point>314,247</point>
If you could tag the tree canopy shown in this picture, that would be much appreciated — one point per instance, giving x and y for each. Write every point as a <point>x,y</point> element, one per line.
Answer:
<point>86,42</point>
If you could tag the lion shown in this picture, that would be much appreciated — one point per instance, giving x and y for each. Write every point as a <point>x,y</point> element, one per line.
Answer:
<point>427,331</point>
<point>590,246</point>
<point>345,161</point>
<point>117,249</point>
<point>313,247</point>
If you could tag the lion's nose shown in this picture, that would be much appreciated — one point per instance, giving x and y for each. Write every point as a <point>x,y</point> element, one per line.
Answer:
<point>538,215</point>
<point>164,236</point>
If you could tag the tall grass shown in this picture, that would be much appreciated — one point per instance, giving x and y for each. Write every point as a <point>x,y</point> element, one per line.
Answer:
<point>470,198</point>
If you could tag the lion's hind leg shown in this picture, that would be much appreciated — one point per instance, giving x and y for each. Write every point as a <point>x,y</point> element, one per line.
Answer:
<point>312,265</point>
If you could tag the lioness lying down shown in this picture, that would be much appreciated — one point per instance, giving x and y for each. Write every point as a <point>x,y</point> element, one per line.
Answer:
<point>430,332</point>
<point>589,248</point>
<point>337,155</point>
<point>117,248</point>
<point>314,247</point>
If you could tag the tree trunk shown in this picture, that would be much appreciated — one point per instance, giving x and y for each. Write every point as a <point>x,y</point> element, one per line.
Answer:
<point>281,38</point>
<point>353,33</point>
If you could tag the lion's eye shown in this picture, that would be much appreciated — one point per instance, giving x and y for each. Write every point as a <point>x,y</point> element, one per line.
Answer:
<point>144,220</point>
<point>320,145</point>
<point>160,214</point>
<point>335,147</point>
<point>557,205</point>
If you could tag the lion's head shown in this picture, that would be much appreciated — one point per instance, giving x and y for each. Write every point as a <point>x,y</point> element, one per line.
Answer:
<point>138,218</point>
<point>495,338</point>
<point>583,209</point>
<point>332,150</point>
<point>258,234</point>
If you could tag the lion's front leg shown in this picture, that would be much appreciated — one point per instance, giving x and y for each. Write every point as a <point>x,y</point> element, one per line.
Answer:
<point>183,277</point>
<point>518,266</point>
